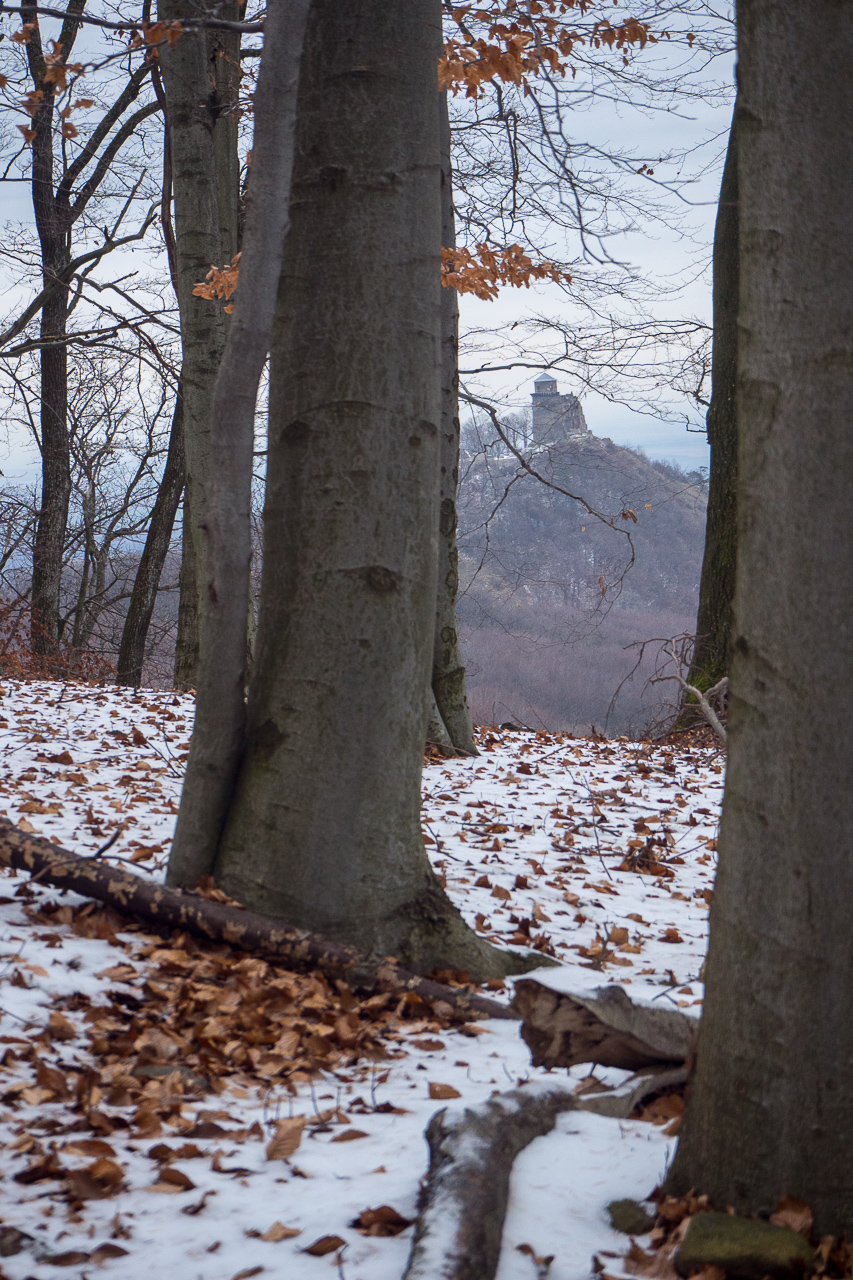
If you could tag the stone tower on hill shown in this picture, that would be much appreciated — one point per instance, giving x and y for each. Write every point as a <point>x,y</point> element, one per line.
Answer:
<point>555,417</point>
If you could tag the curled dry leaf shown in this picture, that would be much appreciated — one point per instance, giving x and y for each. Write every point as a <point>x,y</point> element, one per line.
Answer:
<point>349,1135</point>
<point>287,1137</point>
<point>441,1091</point>
<point>325,1244</point>
<point>383,1221</point>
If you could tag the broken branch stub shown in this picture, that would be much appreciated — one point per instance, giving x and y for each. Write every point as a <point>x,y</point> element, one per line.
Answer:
<point>607,1028</point>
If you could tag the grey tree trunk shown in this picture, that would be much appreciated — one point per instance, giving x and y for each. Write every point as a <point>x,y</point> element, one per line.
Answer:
<point>186,644</point>
<point>131,654</point>
<point>53,223</point>
<point>712,654</point>
<point>217,741</point>
<point>324,829</point>
<point>191,108</point>
<point>771,1110</point>
<point>448,673</point>
<point>223,52</point>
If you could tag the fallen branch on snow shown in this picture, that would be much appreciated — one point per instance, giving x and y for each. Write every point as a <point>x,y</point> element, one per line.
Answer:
<point>464,1200</point>
<point>163,910</point>
<point>463,1205</point>
<point>562,1029</point>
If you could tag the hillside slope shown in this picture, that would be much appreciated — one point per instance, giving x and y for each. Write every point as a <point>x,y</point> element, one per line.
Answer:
<point>551,595</point>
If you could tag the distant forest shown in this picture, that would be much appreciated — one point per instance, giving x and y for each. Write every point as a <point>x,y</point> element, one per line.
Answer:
<point>551,606</point>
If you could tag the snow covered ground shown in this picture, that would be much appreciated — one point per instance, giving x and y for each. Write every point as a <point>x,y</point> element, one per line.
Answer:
<point>599,853</point>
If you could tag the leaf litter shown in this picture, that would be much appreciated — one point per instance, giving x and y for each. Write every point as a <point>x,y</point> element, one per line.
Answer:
<point>163,1099</point>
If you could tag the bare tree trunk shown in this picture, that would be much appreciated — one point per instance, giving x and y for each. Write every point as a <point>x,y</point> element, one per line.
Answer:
<point>188,84</point>
<point>52,225</point>
<point>131,654</point>
<point>217,741</point>
<point>448,673</point>
<point>771,1109</point>
<point>223,51</point>
<point>712,654</point>
<point>324,829</point>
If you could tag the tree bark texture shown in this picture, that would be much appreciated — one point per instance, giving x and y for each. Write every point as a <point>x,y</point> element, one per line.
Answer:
<point>223,53</point>
<point>771,1111</point>
<point>712,654</point>
<point>448,672</point>
<point>186,643</point>
<point>131,654</point>
<point>324,829</point>
<point>53,223</point>
<point>562,1028</point>
<point>218,732</point>
<point>191,106</point>
<point>163,910</point>
<point>464,1201</point>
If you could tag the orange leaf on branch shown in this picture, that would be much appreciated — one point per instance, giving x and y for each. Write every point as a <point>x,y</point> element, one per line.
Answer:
<point>482,271</point>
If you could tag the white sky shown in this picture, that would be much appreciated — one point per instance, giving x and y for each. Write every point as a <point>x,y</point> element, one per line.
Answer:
<point>678,256</point>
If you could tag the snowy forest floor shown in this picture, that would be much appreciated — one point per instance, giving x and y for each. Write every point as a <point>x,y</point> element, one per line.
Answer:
<point>172,1106</point>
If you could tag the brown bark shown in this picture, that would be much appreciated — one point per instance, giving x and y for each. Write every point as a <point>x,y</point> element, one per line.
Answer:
<point>562,1029</point>
<point>712,654</point>
<point>225,509</point>
<point>162,909</point>
<point>464,1201</point>
<point>771,1108</point>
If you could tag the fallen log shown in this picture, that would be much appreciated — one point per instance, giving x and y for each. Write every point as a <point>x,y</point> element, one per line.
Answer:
<point>162,910</point>
<point>464,1198</point>
<point>562,1029</point>
<point>463,1203</point>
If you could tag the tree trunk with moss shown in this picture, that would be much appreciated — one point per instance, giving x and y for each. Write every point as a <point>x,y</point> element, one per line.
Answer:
<point>448,672</point>
<point>712,653</point>
<point>324,829</point>
<point>771,1107</point>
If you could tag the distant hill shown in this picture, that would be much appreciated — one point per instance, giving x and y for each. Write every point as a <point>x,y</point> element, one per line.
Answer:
<point>549,599</point>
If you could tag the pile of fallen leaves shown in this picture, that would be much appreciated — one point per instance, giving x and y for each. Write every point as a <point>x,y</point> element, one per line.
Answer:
<point>184,1019</point>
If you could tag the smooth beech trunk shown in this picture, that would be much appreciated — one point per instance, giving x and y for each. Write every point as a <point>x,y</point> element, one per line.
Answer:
<point>448,672</point>
<point>771,1109</point>
<point>324,830</point>
<point>188,81</point>
<point>712,655</point>
<point>225,515</point>
<point>131,654</point>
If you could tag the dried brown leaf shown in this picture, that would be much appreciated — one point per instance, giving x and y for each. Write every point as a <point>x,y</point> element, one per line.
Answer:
<point>325,1244</point>
<point>287,1137</point>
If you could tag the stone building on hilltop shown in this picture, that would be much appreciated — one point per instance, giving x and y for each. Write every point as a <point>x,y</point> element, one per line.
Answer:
<point>556,418</point>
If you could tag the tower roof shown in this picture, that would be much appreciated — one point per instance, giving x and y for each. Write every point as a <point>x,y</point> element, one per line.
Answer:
<point>544,377</point>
